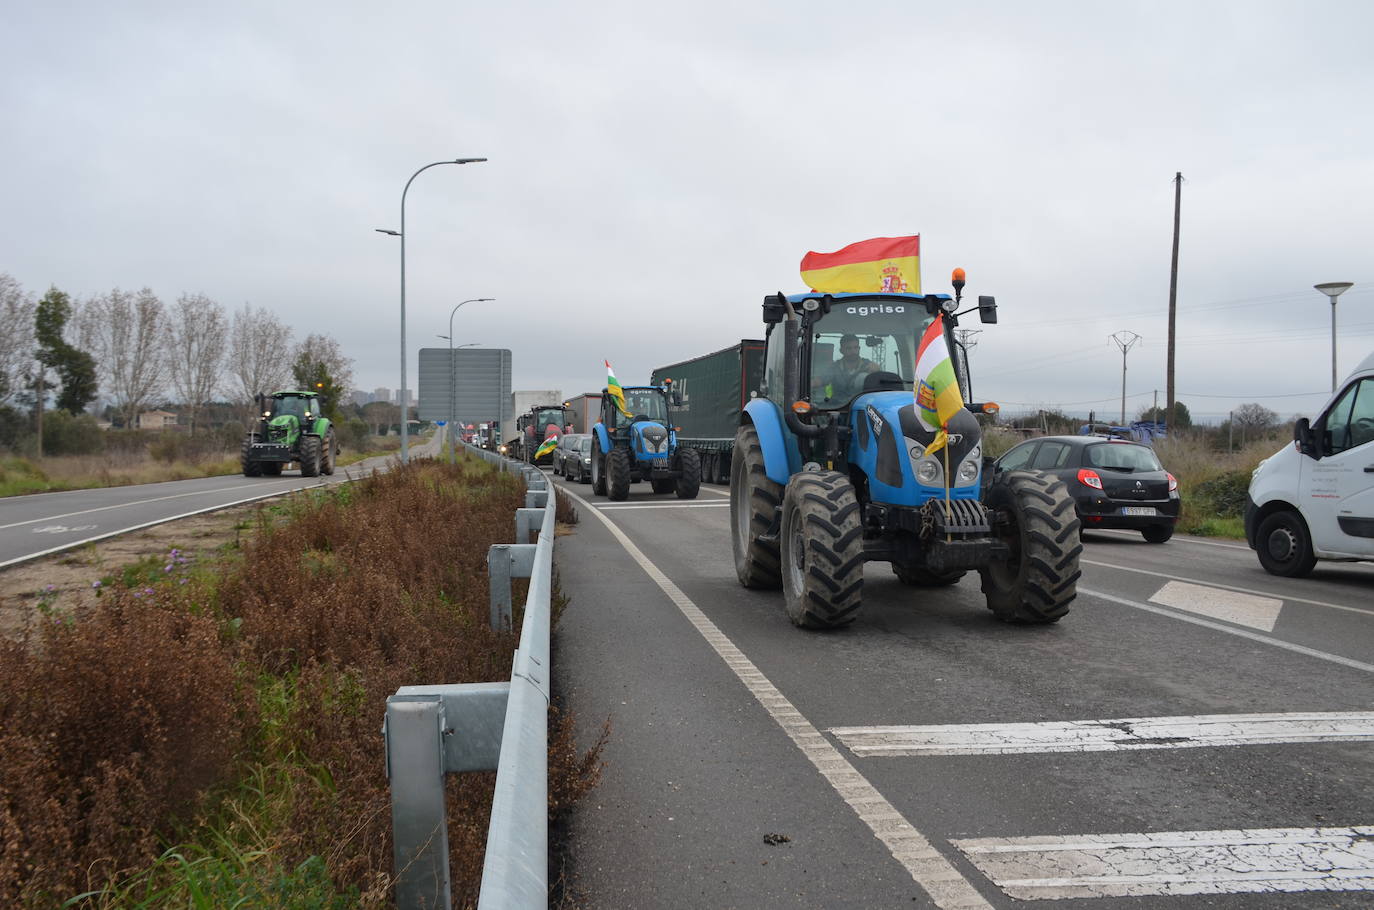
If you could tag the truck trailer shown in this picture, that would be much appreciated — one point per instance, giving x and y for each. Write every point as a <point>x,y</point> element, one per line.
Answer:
<point>586,411</point>
<point>713,389</point>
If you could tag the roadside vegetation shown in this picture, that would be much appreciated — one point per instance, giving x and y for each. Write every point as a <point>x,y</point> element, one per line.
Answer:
<point>207,734</point>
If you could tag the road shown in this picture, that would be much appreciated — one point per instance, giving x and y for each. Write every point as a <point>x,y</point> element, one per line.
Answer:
<point>43,523</point>
<point>1195,733</point>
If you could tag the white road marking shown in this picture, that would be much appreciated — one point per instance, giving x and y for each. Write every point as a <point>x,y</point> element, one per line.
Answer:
<point>1177,538</point>
<point>122,505</point>
<point>936,875</point>
<point>1214,584</point>
<point>1253,861</point>
<point>1118,735</point>
<point>1232,630</point>
<point>1230,606</point>
<point>665,505</point>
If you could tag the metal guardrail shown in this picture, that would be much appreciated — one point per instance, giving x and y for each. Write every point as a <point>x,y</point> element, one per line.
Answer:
<point>431,731</point>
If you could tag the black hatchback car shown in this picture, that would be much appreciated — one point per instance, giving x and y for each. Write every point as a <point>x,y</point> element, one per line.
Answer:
<point>1115,483</point>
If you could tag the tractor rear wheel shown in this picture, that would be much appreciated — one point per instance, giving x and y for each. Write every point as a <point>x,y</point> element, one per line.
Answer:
<point>598,468</point>
<point>331,449</point>
<point>689,482</point>
<point>754,502</point>
<point>822,550</point>
<point>618,474</point>
<point>250,467</point>
<point>1034,516</point>
<point>310,456</point>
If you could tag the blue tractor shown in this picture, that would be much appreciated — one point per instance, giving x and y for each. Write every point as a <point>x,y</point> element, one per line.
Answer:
<point>641,446</point>
<point>831,470</point>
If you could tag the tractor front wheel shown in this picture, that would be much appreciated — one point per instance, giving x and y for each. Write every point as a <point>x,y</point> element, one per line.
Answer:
<point>1034,516</point>
<point>822,550</point>
<point>310,456</point>
<point>250,467</point>
<point>754,502</point>
<point>618,474</point>
<point>331,449</point>
<point>689,481</point>
<point>598,468</point>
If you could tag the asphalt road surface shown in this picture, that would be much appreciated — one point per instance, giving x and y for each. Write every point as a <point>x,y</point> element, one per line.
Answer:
<point>1195,733</point>
<point>42,523</point>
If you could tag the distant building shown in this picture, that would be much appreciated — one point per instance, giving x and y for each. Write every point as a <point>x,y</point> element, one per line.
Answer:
<point>360,398</point>
<point>157,420</point>
<point>381,394</point>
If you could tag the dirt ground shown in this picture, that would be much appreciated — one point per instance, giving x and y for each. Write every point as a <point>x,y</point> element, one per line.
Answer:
<point>25,587</point>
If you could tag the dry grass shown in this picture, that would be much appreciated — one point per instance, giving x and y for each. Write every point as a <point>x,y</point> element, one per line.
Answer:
<point>236,716</point>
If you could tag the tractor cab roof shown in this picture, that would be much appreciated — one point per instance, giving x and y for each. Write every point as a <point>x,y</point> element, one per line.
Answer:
<point>906,298</point>
<point>295,394</point>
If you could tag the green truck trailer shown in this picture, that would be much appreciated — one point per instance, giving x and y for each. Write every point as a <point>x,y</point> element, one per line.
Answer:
<point>713,389</point>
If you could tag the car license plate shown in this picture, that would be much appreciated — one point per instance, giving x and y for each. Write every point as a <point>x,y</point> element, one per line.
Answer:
<point>1137,510</point>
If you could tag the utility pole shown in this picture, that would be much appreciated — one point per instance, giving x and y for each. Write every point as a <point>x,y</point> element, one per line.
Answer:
<point>1125,341</point>
<point>1173,301</point>
<point>42,393</point>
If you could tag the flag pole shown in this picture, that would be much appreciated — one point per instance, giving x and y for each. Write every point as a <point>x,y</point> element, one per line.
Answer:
<point>947,485</point>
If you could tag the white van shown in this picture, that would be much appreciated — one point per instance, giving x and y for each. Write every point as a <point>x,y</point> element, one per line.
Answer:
<point>1315,499</point>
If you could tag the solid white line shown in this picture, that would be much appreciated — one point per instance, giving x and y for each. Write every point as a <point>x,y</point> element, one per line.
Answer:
<point>1116,735</point>
<point>928,868</point>
<point>122,505</point>
<point>1241,861</point>
<point>1214,584</point>
<point>665,505</point>
<point>1176,539</point>
<point>1231,630</point>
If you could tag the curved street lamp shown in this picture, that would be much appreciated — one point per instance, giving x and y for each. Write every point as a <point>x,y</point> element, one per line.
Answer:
<point>1333,289</point>
<point>452,369</point>
<point>405,403</point>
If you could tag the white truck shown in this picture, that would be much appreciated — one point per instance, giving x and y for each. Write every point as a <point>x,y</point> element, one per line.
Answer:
<point>1314,499</point>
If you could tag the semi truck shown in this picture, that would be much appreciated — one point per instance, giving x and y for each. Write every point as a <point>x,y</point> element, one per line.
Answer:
<point>713,390</point>
<point>586,411</point>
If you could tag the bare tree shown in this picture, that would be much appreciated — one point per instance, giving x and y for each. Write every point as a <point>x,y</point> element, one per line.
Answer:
<point>198,333</point>
<point>259,353</point>
<point>1254,416</point>
<point>125,332</point>
<point>16,335</point>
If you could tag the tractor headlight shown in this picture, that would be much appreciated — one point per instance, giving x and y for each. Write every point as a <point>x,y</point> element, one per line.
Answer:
<point>928,471</point>
<point>968,470</point>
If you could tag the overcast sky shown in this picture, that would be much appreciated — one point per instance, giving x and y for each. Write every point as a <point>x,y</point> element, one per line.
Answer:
<point>656,169</point>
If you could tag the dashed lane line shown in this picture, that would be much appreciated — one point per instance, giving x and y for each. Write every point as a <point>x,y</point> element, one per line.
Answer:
<point>930,870</point>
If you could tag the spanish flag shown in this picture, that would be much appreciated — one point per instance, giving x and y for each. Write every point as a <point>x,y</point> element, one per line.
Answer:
<point>616,392</point>
<point>883,265</point>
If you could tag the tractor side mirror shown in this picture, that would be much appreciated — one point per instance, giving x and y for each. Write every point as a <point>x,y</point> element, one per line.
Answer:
<point>987,310</point>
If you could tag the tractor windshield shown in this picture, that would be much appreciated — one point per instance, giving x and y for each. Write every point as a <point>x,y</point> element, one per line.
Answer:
<point>647,402</point>
<point>860,337</point>
<point>294,406</point>
<point>548,417</point>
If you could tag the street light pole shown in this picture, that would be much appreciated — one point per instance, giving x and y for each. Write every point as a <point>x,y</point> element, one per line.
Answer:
<point>1333,289</point>
<point>405,403</point>
<point>452,382</point>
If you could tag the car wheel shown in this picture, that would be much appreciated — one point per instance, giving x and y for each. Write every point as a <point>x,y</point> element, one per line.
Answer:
<point>1157,533</point>
<point>1284,546</point>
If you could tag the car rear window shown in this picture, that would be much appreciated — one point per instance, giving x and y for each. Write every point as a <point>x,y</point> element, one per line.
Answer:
<point>1117,456</point>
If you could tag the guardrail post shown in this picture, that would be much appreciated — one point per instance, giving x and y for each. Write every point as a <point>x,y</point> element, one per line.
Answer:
<point>527,520</point>
<point>414,730</point>
<point>506,561</point>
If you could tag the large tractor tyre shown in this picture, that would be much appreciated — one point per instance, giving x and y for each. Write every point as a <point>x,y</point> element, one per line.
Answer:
<point>331,450</point>
<point>1284,546</point>
<point>618,474</point>
<point>250,467</point>
<point>1034,516</point>
<point>598,468</point>
<point>270,468</point>
<point>754,504</point>
<point>662,484</point>
<point>310,456</point>
<point>689,481</point>
<point>822,550</point>
<point>924,578</point>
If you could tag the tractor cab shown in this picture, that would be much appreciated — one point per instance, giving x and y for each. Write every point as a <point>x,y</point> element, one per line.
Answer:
<point>639,443</point>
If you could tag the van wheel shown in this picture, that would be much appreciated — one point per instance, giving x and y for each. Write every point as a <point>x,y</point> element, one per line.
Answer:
<point>1284,547</point>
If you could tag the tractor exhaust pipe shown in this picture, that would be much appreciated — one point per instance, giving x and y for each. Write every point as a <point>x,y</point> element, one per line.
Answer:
<point>791,327</point>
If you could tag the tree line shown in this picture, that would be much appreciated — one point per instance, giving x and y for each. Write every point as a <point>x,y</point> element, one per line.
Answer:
<point>134,350</point>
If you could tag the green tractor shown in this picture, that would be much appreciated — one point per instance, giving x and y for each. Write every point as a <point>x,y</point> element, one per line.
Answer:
<point>292,428</point>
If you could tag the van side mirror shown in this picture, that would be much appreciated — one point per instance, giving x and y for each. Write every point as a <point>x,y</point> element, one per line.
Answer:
<point>987,310</point>
<point>1304,437</point>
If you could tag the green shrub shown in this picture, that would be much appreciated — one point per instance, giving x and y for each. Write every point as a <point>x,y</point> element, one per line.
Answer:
<point>1224,495</point>
<point>68,434</point>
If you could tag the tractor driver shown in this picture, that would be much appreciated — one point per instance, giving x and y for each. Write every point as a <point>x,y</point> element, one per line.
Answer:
<point>842,379</point>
